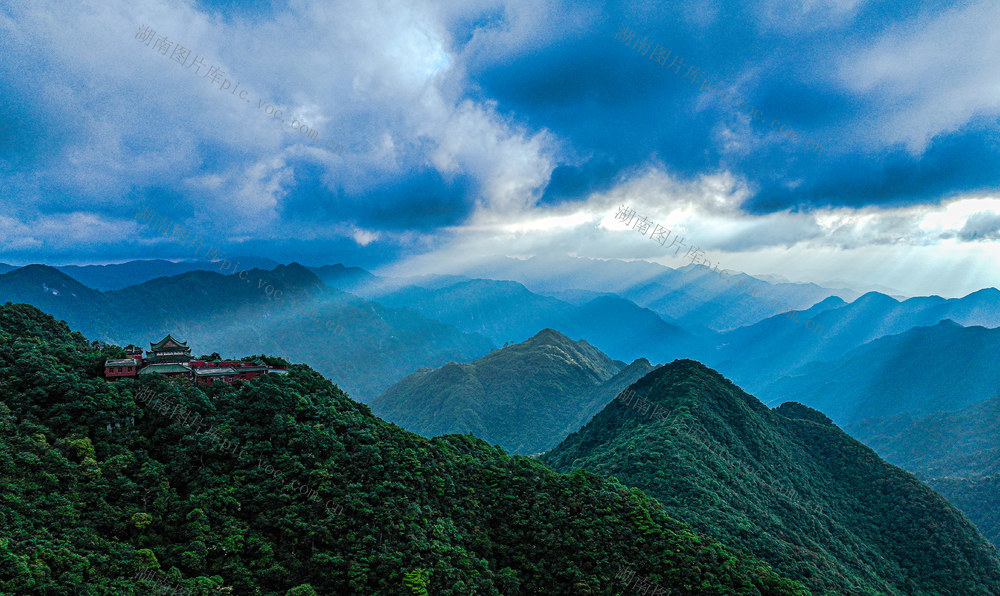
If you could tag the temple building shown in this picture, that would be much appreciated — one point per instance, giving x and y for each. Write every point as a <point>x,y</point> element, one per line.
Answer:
<point>126,367</point>
<point>168,349</point>
<point>172,359</point>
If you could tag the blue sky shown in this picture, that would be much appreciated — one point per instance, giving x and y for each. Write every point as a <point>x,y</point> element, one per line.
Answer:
<point>484,128</point>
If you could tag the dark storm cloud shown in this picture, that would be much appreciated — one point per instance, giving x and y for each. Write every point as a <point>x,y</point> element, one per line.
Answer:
<point>458,107</point>
<point>421,201</point>
<point>616,106</point>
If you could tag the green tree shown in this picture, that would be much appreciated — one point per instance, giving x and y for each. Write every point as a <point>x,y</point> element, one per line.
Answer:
<point>417,581</point>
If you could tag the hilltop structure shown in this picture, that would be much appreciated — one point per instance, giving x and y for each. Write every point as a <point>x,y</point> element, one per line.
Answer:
<point>172,359</point>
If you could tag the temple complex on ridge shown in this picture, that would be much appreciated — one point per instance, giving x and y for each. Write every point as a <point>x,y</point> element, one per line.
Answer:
<point>172,359</point>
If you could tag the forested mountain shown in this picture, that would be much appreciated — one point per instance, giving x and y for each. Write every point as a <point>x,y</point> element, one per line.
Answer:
<point>957,453</point>
<point>978,498</point>
<point>525,397</point>
<point>923,370</point>
<point>785,484</point>
<point>505,311</point>
<point>283,485</point>
<point>760,353</point>
<point>365,346</point>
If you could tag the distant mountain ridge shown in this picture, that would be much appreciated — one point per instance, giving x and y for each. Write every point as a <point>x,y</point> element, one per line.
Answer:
<point>756,355</point>
<point>922,370</point>
<point>690,296</point>
<point>506,311</point>
<point>130,273</point>
<point>963,442</point>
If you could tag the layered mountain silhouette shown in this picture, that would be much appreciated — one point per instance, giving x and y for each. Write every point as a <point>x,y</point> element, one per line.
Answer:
<point>506,311</point>
<point>758,354</point>
<point>60,295</point>
<point>691,296</point>
<point>287,310</point>
<point>785,484</point>
<point>525,397</point>
<point>923,370</point>
<point>122,275</point>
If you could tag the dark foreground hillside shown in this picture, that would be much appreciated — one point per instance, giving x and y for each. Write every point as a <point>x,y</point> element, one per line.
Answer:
<point>784,484</point>
<point>283,485</point>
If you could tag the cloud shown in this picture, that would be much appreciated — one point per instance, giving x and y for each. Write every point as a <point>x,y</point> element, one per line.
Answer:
<point>122,121</point>
<point>981,226</point>
<point>933,75</point>
<point>705,215</point>
<point>499,123</point>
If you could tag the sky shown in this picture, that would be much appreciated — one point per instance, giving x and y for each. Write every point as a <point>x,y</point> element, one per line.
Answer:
<point>837,142</point>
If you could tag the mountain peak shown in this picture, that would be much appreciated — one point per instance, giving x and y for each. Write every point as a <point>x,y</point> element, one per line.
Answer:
<point>991,292</point>
<point>791,409</point>
<point>524,397</point>
<point>50,276</point>
<point>756,478</point>
<point>550,336</point>
<point>876,298</point>
<point>828,303</point>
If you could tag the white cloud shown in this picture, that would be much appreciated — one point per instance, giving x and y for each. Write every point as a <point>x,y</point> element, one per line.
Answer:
<point>982,226</point>
<point>379,78</point>
<point>933,75</point>
<point>871,246</point>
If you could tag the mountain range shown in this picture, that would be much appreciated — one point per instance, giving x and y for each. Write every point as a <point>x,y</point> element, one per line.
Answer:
<point>286,310</point>
<point>782,486</point>
<point>922,370</point>
<point>691,295</point>
<point>760,353</point>
<point>507,312</point>
<point>283,485</point>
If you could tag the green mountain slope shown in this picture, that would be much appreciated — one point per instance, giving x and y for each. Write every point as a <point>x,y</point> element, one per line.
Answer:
<point>283,485</point>
<point>784,484</point>
<point>962,443</point>
<point>525,397</point>
<point>956,453</point>
<point>977,498</point>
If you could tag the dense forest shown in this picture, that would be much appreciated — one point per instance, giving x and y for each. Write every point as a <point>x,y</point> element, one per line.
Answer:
<point>784,484</point>
<point>283,485</point>
<point>956,453</point>
<point>525,397</point>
